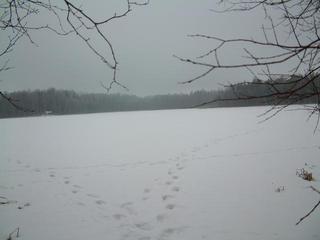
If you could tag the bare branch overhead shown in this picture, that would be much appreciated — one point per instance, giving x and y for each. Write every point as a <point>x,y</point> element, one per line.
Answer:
<point>298,49</point>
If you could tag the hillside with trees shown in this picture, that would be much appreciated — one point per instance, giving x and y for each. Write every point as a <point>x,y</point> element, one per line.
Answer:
<point>59,102</point>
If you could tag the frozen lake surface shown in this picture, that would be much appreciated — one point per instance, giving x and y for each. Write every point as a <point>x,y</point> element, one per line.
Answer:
<point>174,174</point>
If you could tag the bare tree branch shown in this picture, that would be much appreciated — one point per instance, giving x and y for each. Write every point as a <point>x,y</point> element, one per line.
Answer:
<point>14,104</point>
<point>70,19</point>
<point>308,214</point>
<point>299,48</point>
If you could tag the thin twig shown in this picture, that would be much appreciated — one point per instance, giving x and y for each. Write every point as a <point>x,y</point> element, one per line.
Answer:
<point>308,214</point>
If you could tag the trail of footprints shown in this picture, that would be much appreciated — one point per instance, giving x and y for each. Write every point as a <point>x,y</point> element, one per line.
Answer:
<point>65,180</point>
<point>127,215</point>
<point>173,187</point>
<point>137,229</point>
<point>76,189</point>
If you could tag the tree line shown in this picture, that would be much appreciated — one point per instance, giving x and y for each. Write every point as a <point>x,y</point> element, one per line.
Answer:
<point>59,102</point>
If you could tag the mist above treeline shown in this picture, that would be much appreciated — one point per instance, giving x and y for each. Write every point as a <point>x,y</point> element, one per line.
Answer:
<point>59,102</point>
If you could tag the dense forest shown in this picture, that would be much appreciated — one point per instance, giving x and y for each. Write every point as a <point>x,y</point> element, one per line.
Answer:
<point>57,102</point>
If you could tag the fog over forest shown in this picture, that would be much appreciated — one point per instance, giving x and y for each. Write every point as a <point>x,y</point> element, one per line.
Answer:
<point>53,101</point>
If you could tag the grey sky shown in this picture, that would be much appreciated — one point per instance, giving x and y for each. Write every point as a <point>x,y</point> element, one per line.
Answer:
<point>144,42</point>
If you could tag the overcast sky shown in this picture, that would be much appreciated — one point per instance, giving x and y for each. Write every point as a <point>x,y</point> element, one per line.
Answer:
<point>144,43</point>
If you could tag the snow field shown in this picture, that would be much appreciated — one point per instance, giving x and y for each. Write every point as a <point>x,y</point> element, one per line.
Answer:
<point>174,174</point>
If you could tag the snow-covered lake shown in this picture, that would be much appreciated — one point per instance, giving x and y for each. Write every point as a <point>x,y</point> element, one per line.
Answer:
<point>174,174</point>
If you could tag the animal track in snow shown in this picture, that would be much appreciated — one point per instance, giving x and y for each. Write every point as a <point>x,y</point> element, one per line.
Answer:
<point>175,177</point>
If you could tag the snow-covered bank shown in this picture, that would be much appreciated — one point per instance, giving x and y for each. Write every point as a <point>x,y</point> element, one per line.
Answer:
<point>175,174</point>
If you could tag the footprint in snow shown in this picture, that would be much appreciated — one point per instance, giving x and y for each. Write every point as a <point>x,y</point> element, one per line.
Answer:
<point>144,238</point>
<point>100,202</point>
<point>118,216</point>
<point>126,204</point>
<point>168,182</point>
<point>171,231</point>
<point>175,177</point>
<point>170,206</point>
<point>128,207</point>
<point>166,197</point>
<point>92,195</point>
<point>143,226</point>
<point>146,190</point>
<point>176,189</point>
<point>81,204</point>
<point>131,234</point>
<point>24,205</point>
<point>161,217</point>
